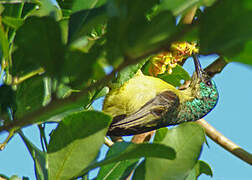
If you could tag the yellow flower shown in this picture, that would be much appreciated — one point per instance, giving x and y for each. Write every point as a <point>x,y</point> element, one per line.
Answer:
<point>166,61</point>
<point>182,50</point>
<point>160,62</point>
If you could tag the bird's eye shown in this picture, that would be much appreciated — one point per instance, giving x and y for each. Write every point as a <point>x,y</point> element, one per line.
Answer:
<point>209,83</point>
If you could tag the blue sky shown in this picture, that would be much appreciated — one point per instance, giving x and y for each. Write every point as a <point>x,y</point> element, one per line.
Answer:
<point>231,117</point>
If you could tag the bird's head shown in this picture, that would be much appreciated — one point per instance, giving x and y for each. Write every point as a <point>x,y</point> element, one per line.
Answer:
<point>202,85</point>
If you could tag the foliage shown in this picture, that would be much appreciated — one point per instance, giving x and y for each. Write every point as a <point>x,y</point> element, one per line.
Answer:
<point>54,56</point>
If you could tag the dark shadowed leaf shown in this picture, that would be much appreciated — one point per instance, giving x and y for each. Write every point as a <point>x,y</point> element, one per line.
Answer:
<point>130,33</point>
<point>121,29</point>
<point>187,140</point>
<point>226,28</point>
<point>39,43</point>
<point>83,22</point>
<point>80,66</point>
<point>151,34</point>
<point>75,143</point>
<point>29,96</point>
<point>38,157</point>
<point>7,99</point>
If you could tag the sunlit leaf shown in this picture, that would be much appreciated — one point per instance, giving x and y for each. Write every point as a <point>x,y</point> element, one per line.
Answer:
<point>187,140</point>
<point>75,143</point>
<point>125,151</point>
<point>38,157</point>
<point>117,170</point>
<point>39,43</point>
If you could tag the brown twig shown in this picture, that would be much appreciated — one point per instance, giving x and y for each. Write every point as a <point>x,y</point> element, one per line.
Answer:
<point>108,142</point>
<point>216,67</point>
<point>224,142</point>
<point>188,18</point>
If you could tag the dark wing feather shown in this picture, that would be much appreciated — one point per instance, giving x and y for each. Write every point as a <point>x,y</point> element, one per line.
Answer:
<point>148,117</point>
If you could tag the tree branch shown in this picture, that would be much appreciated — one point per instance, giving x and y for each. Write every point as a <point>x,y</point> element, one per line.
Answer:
<point>216,67</point>
<point>224,142</point>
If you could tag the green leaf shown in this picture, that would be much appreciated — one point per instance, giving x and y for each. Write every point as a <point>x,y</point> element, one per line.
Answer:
<point>147,37</point>
<point>178,74</point>
<point>13,10</point>
<point>187,140</point>
<point>117,170</point>
<point>75,143</point>
<point>125,151</point>
<point>4,44</point>
<point>179,7</point>
<point>121,29</point>
<point>200,168</point>
<point>60,111</point>
<point>65,5</point>
<point>38,157</point>
<point>131,34</point>
<point>29,96</point>
<point>39,44</point>
<point>127,73</point>
<point>7,99</point>
<point>48,8</point>
<point>79,5</point>
<point>159,137</point>
<point>12,22</point>
<point>79,66</point>
<point>203,168</point>
<point>229,35</point>
<point>83,22</point>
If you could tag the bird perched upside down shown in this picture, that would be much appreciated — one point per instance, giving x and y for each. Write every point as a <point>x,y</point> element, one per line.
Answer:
<point>146,103</point>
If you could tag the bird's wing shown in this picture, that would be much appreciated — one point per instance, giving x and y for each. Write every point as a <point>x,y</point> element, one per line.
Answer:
<point>149,117</point>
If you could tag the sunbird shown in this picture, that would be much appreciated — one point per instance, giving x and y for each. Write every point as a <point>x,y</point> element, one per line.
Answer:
<point>145,103</point>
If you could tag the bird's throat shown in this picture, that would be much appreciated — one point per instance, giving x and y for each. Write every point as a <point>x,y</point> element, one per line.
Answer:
<point>196,108</point>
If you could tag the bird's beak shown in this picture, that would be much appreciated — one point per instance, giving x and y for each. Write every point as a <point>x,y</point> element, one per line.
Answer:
<point>198,68</point>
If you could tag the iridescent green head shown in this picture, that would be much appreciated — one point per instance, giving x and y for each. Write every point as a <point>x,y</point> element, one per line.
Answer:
<point>202,84</point>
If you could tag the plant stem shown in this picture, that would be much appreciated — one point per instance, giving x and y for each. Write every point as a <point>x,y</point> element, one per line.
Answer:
<point>43,140</point>
<point>27,76</point>
<point>224,142</point>
<point>108,142</point>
